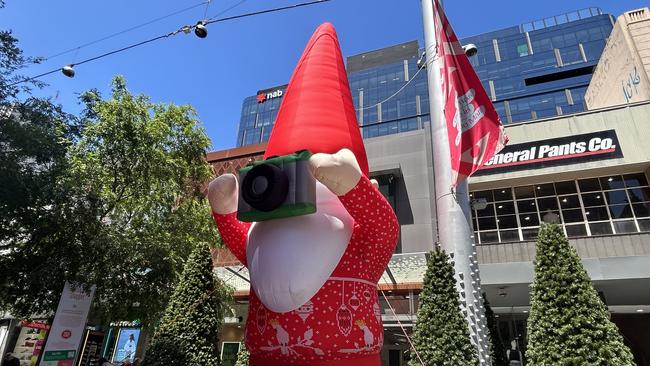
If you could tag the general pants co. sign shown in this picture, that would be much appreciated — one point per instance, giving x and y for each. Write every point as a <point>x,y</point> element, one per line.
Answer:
<point>552,152</point>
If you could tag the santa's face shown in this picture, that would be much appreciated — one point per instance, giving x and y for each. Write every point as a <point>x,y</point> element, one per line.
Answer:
<point>290,259</point>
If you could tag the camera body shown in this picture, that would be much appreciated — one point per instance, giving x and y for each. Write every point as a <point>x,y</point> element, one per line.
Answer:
<point>277,187</point>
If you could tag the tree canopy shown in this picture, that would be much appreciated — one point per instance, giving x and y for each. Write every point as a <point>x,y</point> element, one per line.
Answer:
<point>188,332</point>
<point>441,335</point>
<point>111,198</point>
<point>568,323</point>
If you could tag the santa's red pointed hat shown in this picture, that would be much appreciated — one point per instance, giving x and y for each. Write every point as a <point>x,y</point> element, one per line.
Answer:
<point>317,113</point>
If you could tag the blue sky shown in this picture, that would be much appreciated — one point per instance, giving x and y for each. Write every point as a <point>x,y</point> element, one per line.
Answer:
<point>238,57</point>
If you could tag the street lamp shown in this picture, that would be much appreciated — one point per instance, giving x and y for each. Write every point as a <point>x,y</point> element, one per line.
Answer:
<point>68,70</point>
<point>200,29</point>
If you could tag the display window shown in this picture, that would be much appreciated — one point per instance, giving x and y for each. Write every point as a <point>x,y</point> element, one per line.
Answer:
<point>30,342</point>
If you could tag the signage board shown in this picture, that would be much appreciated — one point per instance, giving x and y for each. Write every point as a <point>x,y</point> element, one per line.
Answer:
<point>68,326</point>
<point>127,341</point>
<point>229,353</point>
<point>552,152</point>
<point>90,353</point>
<point>264,95</point>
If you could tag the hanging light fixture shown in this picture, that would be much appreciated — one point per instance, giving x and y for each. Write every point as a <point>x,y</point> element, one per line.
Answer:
<point>200,29</point>
<point>68,70</point>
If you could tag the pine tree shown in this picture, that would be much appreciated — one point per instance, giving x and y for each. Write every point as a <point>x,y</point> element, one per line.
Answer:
<point>497,349</point>
<point>441,335</point>
<point>242,356</point>
<point>187,334</point>
<point>568,323</point>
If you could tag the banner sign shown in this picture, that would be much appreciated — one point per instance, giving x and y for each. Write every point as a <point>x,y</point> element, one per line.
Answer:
<point>553,152</point>
<point>68,327</point>
<point>473,126</point>
<point>34,324</point>
<point>126,345</point>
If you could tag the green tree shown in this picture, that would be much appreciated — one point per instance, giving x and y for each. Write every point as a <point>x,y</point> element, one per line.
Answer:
<point>40,213</point>
<point>144,164</point>
<point>497,349</point>
<point>568,323</point>
<point>187,335</point>
<point>441,335</point>
<point>242,356</point>
<point>122,208</point>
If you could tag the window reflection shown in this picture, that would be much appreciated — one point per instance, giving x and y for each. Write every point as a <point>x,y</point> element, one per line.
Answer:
<point>617,204</point>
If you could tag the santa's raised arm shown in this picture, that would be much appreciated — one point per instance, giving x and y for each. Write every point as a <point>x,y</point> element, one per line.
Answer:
<point>314,276</point>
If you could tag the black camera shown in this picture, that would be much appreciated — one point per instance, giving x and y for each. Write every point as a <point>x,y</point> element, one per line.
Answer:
<point>277,187</point>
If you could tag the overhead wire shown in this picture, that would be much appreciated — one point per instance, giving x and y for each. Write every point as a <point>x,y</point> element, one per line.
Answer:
<point>267,11</point>
<point>183,29</point>
<point>77,48</point>
<point>420,68</point>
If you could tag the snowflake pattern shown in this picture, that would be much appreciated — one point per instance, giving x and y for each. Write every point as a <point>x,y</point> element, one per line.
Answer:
<point>313,332</point>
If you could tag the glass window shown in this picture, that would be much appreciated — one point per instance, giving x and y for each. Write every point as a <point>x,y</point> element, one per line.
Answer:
<point>566,187</point>
<point>505,208</point>
<point>644,225</point>
<point>573,231</point>
<point>587,185</point>
<point>624,227</point>
<point>639,194</point>
<point>527,206</point>
<point>487,211</point>
<point>608,205</point>
<point>487,223</point>
<point>547,204</point>
<point>593,199</point>
<point>635,180</point>
<point>524,192</point>
<point>620,211</point>
<point>530,219</point>
<point>616,197</point>
<point>530,234</point>
<point>600,228</point>
<point>613,182</point>
<point>522,50</point>
<point>641,209</point>
<point>509,235</point>
<point>596,213</point>
<point>542,190</point>
<point>489,237</point>
<point>503,194</point>
<point>484,194</point>
<point>507,221</point>
<point>569,201</point>
<point>574,215</point>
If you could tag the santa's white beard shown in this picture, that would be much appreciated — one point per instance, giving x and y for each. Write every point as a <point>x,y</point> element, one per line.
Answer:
<point>290,259</point>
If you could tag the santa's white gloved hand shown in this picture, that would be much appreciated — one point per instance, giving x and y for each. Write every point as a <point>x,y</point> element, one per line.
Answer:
<point>339,172</point>
<point>223,194</point>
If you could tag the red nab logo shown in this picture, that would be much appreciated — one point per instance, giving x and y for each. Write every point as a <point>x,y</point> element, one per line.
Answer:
<point>263,97</point>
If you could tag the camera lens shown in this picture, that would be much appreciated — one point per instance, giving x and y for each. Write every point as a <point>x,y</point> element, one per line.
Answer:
<point>265,187</point>
<point>260,184</point>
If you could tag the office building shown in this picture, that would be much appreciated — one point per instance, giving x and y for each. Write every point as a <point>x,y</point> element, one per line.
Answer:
<point>591,168</point>
<point>534,70</point>
<point>622,74</point>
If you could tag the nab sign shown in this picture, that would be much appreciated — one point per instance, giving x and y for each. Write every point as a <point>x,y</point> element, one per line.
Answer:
<point>264,95</point>
<point>559,151</point>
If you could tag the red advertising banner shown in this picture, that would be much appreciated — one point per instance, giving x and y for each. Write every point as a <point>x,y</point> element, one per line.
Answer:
<point>33,324</point>
<point>473,125</point>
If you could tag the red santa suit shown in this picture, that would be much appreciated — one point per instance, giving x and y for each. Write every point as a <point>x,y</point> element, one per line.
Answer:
<point>313,298</point>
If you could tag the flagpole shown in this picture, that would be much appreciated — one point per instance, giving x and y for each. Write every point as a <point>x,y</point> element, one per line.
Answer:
<point>453,215</point>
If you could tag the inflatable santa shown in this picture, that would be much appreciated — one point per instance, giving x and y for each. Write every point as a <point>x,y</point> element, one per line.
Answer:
<point>314,232</point>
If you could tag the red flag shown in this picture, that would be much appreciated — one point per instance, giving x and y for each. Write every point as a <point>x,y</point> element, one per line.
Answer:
<point>473,125</point>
